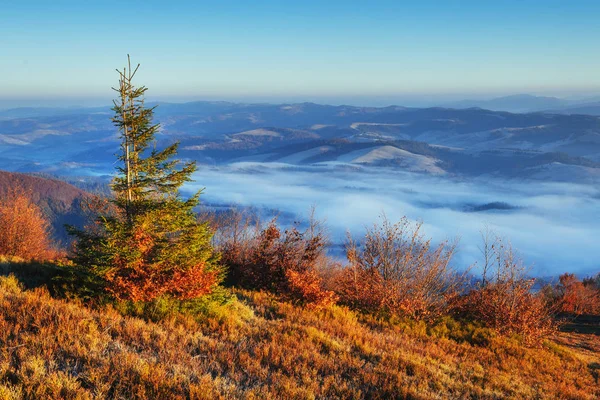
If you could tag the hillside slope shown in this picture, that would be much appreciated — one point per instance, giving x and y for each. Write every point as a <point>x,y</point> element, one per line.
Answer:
<point>60,201</point>
<point>262,348</point>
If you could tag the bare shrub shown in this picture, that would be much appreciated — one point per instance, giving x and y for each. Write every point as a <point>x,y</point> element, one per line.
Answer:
<point>504,299</point>
<point>396,270</point>
<point>236,233</point>
<point>24,231</point>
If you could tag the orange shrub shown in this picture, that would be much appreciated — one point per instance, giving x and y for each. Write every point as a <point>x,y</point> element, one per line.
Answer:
<point>266,258</point>
<point>510,308</point>
<point>504,299</point>
<point>578,297</point>
<point>24,231</point>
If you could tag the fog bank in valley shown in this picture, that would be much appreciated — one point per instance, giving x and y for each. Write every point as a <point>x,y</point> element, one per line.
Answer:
<point>553,225</point>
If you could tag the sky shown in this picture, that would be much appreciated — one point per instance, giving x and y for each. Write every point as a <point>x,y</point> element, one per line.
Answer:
<point>336,51</point>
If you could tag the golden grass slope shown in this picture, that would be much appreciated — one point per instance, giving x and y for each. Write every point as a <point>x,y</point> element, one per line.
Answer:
<point>259,347</point>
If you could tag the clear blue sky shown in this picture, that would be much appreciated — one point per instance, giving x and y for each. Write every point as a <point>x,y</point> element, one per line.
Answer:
<point>327,48</point>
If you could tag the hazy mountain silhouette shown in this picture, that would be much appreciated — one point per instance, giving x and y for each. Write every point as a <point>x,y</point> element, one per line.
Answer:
<point>514,103</point>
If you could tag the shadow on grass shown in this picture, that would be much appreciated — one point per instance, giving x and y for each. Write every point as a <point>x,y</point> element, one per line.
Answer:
<point>31,274</point>
<point>585,324</point>
<point>61,280</point>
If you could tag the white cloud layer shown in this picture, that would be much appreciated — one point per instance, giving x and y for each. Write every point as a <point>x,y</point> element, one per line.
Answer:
<point>553,225</point>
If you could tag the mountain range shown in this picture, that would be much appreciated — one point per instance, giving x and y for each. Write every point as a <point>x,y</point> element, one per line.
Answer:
<point>439,141</point>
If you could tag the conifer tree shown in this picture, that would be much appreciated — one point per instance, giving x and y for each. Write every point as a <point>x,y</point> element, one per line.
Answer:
<point>148,243</point>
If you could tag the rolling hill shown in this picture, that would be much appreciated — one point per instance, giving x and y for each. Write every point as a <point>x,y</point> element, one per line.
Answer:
<point>59,201</point>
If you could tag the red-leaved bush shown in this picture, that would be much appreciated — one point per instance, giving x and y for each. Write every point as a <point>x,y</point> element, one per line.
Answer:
<point>577,297</point>
<point>24,231</point>
<point>267,258</point>
<point>504,299</point>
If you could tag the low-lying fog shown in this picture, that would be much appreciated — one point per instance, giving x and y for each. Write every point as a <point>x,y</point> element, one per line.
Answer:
<point>554,226</point>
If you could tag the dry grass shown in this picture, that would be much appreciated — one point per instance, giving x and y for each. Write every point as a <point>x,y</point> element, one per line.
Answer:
<point>260,347</point>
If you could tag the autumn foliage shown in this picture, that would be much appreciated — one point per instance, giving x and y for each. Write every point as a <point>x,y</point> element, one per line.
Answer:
<point>24,231</point>
<point>396,270</point>
<point>504,299</point>
<point>267,258</point>
<point>577,297</point>
<point>511,308</point>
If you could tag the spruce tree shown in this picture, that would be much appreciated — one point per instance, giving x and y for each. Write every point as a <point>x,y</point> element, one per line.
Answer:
<point>148,242</point>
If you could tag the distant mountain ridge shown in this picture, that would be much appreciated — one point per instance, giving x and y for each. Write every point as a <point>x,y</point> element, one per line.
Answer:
<point>514,103</point>
<point>526,103</point>
<point>592,108</point>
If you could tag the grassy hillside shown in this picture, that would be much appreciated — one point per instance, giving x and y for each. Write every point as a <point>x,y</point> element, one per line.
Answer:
<point>260,347</point>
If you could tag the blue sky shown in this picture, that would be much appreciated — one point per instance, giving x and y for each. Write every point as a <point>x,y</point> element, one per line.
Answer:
<point>301,49</point>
